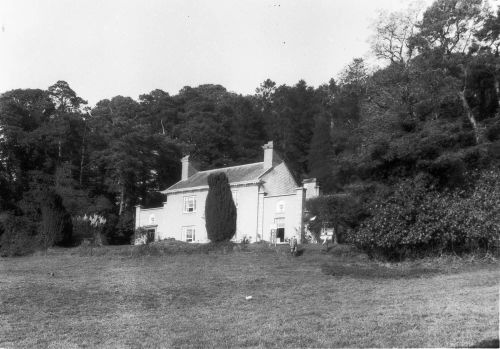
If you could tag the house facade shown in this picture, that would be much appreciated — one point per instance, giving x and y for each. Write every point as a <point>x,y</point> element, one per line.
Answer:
<point>269,202</point>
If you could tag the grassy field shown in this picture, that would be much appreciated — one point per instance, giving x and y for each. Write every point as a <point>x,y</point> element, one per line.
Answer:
<point>123,297</point>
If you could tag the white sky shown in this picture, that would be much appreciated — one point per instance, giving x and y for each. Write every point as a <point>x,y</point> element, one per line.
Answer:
<point>108,48</point>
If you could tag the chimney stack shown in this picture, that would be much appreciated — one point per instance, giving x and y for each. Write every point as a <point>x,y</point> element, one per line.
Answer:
<point>187,168</point>
<point>268,154</point>
<point>312,188</point>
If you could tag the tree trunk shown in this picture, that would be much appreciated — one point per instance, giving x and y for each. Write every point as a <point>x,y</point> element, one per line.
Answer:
<point>82,158</point>
<point>470,115</point>
<point>122,197</point>
<point>497,89</point>
<point>59,152</point>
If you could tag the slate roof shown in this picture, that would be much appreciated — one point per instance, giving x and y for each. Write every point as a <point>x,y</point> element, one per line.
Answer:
<point>235,174</point>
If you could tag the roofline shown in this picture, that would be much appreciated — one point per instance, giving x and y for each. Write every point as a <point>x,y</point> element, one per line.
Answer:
<point>168,190</point>
<point>228,167</point>
<point>288,169</point>
<point>266,171</point>
<point>207,171</point>
<point>205,187</point>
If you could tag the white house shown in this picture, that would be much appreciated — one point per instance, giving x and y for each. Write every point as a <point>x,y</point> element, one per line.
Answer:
<point>265,193</point>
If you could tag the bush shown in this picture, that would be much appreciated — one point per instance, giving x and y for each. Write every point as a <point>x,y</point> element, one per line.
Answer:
<point>89,228</point>
<point>142,236</point>
<point>449,169</point>
<point>82,230</point>
<point>119,230</point>
<point>340,211</point>
<point>220,211</point>
<point>493,131</point>
<point>19,236</point>
<point>417,220</point>
<point>55,226</point>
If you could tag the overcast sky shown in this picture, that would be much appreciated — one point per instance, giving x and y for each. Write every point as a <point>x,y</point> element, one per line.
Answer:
<point>108,48</point>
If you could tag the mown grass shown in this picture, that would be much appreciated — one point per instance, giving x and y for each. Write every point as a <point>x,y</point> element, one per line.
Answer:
<point>174,296</point>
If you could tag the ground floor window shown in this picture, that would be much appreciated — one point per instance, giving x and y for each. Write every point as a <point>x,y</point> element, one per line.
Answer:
<point>280,229</point>
<point>188,234</point>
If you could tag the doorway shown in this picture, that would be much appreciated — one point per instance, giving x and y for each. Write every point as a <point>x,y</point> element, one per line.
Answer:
<point>150,235</point>
<point>280,229</point>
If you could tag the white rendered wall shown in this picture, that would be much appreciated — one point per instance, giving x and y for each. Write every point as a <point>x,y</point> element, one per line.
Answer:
<point>292,215</point>
<point>171,219</point>
<point>246,222</point>
<point>174,218</point>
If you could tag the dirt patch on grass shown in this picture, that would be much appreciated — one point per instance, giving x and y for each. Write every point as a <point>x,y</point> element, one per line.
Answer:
<point>376,272</point>
<point>488,343</point>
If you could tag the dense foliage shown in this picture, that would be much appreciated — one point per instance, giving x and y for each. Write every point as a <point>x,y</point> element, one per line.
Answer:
<point>415,220</point>
<point>220,210</point>
<point>55,223</point>
<point>428,115</point>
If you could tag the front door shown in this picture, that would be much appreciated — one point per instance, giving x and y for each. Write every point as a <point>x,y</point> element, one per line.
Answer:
<point>280,229</point>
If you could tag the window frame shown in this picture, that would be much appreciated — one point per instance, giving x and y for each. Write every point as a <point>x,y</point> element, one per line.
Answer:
<point>192,230</point>
<point>187,200</point>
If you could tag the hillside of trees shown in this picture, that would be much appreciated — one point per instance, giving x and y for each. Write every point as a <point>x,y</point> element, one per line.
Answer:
<point>407,154</point>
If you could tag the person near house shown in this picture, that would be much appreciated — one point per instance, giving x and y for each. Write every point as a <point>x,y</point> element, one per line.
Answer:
<point>293,245</point>
<point>327,235</point>
<point>324,236</point>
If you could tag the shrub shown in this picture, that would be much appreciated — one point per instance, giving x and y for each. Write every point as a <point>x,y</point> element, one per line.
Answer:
<point>493,131</point>
<point>55,226</point>
<point>19,236</point>
<point>341,211</point>
<point>220,211</point>
<point>89,228</point>
<point>82,230</point>
<point>379,149</point>
<point>119,229</point>
<point>142,236</point>
<point>449,169</point>
<point>416,220</point>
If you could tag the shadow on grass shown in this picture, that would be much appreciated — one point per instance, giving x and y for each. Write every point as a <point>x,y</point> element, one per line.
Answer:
<point>376,272</point>
<point>487,343</point>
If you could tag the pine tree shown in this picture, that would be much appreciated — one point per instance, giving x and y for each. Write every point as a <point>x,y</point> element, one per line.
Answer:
<point>220,210</point>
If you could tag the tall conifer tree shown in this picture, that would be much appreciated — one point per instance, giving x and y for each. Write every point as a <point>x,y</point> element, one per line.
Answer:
<point>220,210</point>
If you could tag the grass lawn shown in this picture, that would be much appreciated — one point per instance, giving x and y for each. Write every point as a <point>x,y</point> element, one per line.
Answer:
<point>121,298</point>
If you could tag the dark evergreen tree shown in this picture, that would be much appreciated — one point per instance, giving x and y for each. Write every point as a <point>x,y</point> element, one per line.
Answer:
<point>55,226</point>
<point>320,154</point>
<point>220,211</point>
<point>291,123</point>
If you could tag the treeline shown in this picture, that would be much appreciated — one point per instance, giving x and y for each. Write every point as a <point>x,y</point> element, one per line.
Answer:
<point>419,166</point>
<point>428,122</point>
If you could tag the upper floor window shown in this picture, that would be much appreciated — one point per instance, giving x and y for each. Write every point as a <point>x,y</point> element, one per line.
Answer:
<point>280,207</point>
<point>189,204</point>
